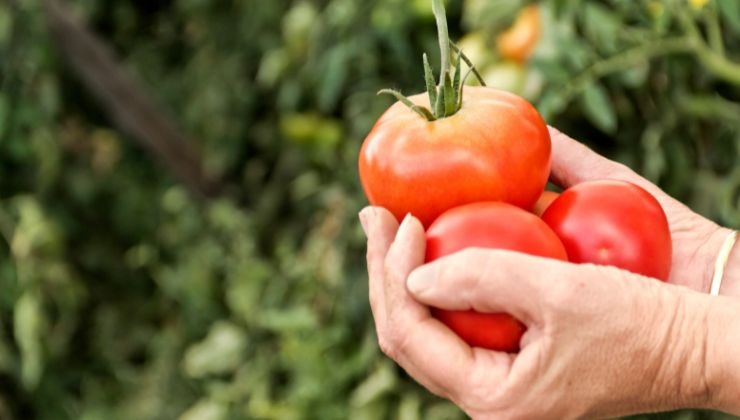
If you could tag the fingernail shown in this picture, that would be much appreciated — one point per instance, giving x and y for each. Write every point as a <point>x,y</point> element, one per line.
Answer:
<point>365,215</point>
<point>418,281</point>
<point>406,220</point>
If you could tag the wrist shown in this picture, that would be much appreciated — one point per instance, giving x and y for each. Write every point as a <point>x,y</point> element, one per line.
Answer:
<point>685,382</point>
<point>723,363</point>
<point>675,374</point>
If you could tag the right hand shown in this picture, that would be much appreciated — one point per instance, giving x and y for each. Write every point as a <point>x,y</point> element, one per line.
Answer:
<point>601,342</point>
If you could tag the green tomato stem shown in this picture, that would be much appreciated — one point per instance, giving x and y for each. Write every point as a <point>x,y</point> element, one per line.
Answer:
<point>440,16</point>
<point>446,98</point>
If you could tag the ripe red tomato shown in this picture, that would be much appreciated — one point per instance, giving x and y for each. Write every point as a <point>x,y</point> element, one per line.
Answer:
<point>489,225</point>
<point>613,223</point>
<point>544,202</point>
<point>495,148</point>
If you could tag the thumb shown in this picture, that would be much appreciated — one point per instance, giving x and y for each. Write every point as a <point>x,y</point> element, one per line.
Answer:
<point>486,280</point>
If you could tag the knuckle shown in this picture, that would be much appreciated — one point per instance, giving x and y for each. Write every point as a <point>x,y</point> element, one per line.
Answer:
<point>386,345</point>
<point>480,400</point>
<point>564,289</point>
<point>393,343</point>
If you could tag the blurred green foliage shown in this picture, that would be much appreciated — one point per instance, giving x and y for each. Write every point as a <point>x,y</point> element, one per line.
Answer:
<point>122,296</point>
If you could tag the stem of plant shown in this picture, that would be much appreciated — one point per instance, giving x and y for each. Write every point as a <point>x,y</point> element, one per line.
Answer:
<point>446,98</point>
<point>440,16</point>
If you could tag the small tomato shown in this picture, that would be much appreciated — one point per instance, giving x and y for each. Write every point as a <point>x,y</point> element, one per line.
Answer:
<point>613,223</point>
<point>489,225</point>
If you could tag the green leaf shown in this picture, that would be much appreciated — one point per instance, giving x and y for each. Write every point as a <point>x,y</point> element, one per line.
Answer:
<point>221,351</point>
<point>381,381</point>
<point>450,96</point>
<point>28,326</point>
<point>409,407</point>
<point>598,108</point>
<point>439,106</point>
<point>4,114</point>
<point>205,410</point>
<point>654,161</point>
<point>442,410</point>
<point>550,105</point>
<point>456,79</point>
<point>298,318</point>
<point>601,26</point>
<point>730,12</point>
<point>423,112</point>
<point>334,75</point>
<point>273,66</point>
<point>492,15</point>
<point>6,25</point>
<point>429,79</point>
<point>636,76</point>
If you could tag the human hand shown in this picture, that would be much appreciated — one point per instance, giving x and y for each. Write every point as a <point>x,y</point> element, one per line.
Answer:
<point>600,341</point>
<point>696,240</point>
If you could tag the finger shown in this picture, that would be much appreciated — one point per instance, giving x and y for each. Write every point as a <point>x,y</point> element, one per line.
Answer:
<point>411,328</point>
<point>380,227</point>
<point>573,163</point>
<point>405,254</point>
<point>487,280</point>
<point>443,363</point>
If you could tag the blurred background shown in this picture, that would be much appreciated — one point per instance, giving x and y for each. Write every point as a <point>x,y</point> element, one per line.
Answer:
<point>179,192</point>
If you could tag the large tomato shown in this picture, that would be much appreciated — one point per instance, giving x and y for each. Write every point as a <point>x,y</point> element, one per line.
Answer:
<point>613,223</point>
<point>495,148</point>
<point>489,225</point>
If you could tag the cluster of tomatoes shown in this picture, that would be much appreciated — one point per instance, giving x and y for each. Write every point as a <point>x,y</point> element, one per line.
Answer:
<point>473,170</point>
<point>477,179</point>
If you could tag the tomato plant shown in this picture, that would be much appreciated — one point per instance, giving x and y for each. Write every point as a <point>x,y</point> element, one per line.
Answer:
<point>489,225</point>
<point>613,223</point>
<point>489,145</point>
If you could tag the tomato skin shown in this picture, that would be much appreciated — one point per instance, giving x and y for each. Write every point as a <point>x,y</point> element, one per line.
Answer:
<point>495,148</point>
<point>493,331</point>
<point>544,202</point>
<point>489,225</point>
<point>615,223</point>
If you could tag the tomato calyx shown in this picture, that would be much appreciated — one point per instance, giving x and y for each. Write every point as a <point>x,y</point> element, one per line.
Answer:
<point>445,98</point>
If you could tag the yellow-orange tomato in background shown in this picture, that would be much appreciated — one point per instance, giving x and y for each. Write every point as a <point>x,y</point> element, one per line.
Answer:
<point>518,42</point>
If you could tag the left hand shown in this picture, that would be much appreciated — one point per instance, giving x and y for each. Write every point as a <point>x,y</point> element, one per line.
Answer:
<point>600,341</point>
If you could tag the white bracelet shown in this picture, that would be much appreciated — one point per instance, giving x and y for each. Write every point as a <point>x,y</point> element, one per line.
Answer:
<point>719,265</point>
